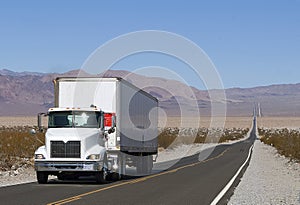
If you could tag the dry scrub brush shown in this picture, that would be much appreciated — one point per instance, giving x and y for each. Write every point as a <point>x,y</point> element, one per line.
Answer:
<point>287,142</point>
<point>170,137</point>
<point>17,144</point>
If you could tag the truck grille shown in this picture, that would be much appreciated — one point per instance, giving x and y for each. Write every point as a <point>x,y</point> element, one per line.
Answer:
<point>59,149</point>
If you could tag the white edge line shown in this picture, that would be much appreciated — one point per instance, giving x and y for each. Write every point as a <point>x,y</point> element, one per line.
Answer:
<point>226,188</point>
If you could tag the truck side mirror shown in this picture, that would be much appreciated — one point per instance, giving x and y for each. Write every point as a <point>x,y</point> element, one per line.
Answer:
<point>39,121</point>
<point>111,130</point>
<point>32,131</point>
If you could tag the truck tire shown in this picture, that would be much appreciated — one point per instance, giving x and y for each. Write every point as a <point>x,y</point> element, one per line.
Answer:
<point>115,176</point>
<point>101,177</point>
<point>42,177</point>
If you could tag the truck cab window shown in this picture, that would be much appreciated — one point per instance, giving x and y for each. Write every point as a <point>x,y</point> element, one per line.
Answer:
<point>60,119</point>
<point>87,119</point>
<point>74,119</point>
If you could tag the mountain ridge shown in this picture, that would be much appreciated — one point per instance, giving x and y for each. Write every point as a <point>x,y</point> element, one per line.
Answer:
<point>34,91</point>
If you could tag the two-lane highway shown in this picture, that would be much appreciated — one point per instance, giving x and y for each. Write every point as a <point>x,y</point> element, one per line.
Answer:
<point>189,181</point>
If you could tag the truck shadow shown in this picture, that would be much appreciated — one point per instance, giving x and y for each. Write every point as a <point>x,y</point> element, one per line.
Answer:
<point>88,180</point>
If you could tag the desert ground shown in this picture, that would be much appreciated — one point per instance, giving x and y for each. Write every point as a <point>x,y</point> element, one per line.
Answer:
<point>237,122</point>
<point>279,122</point>
<point>193,122</point>
<point>230,122</point>
<point>20,121</point>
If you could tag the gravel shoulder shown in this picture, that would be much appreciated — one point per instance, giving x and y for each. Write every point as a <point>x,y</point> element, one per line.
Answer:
<point>19,176</point>
<point>269,179</point>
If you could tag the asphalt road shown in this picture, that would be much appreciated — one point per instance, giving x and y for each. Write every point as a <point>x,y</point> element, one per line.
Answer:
<point>189,181</point>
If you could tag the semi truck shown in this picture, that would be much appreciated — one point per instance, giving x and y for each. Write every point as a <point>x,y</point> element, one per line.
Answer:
<point>98,127</point>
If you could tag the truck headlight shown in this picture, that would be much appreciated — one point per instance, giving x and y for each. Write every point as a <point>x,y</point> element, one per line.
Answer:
<point>39,156</point>
<point>94,157</point>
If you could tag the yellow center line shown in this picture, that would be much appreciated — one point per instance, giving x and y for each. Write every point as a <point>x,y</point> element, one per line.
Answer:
<point>78,197</point>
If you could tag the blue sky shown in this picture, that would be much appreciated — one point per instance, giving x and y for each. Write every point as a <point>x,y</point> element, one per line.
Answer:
<point>251,43</point>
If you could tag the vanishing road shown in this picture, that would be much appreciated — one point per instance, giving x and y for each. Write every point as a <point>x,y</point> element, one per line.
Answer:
<point>189,181</point>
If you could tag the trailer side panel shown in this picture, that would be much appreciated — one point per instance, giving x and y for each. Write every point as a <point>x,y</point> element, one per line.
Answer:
<point>139,118</point>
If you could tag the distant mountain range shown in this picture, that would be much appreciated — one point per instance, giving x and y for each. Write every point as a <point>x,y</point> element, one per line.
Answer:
<point>12,73</point>
<point>27,93</point>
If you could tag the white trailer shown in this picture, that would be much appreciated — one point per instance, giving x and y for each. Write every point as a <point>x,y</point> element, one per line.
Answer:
<point>98,127</point>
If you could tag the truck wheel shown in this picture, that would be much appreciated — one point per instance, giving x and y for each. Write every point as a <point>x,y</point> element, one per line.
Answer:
<point>115,176</point>
<point>42,177</point>
<point>101,177</point>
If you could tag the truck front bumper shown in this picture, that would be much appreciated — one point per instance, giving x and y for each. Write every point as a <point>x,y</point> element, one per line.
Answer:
<point>68,166</point>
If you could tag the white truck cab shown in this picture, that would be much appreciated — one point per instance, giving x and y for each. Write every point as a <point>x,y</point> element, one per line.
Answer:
<point>75,143</point>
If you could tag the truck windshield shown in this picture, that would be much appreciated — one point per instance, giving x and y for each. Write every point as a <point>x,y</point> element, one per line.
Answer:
<point>87,119</point>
